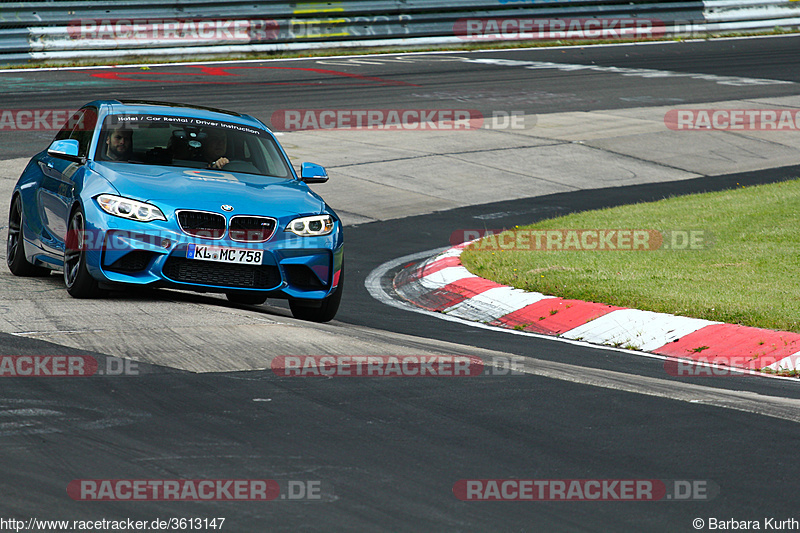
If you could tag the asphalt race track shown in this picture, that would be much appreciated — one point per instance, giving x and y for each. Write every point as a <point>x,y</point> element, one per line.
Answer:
<point>200,402</point>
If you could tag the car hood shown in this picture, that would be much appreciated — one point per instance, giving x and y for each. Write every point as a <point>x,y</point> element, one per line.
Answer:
<point>209,189</point>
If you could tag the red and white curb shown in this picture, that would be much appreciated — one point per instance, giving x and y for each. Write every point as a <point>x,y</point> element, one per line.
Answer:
<point>442,284</point>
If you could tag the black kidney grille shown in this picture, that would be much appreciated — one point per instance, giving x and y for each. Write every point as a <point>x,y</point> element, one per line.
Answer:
<point>251,229</point>
<point>222,274</point>
<point>202,224</point>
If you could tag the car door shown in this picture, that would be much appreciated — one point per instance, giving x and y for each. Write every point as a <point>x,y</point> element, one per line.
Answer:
<point>57,191</point>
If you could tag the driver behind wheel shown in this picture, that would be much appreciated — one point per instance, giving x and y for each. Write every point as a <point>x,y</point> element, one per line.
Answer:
<point>214,147</point>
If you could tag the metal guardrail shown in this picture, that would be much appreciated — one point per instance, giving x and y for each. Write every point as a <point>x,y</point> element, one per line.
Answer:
<point>67,30</point>
<point>734,15</point>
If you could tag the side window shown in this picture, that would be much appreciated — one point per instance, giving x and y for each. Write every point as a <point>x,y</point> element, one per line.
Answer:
<point>69,125</point>
<point>275,163</point>
<point>84,128</point>
<point>80,127</point>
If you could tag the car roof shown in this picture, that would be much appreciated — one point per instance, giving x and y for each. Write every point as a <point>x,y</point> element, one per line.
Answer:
<point>170,108</point>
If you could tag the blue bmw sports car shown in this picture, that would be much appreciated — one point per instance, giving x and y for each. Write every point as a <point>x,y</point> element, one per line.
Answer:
<point>165,195</point>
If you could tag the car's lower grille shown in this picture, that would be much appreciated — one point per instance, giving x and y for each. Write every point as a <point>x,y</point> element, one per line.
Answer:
<point>202,224</point>
<point>251,229</point>
<point>222,274</point>
<point>131,262</point>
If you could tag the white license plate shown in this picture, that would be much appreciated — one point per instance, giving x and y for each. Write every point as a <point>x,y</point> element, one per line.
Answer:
<point>220,254</point>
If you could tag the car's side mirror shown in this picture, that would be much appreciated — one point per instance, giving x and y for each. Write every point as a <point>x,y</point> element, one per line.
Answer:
<point>311,173</point>
<point>65,149</point>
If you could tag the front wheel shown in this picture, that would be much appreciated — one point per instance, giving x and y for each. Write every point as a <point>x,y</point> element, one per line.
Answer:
<point>18,264</point>
<point>80,284</point>
<point>315,312</point>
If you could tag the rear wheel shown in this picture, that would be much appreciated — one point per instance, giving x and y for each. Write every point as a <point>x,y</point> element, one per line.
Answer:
<point>80,284</point>
<point>15,245</point>
<point>246,297</point>
<point>316,312</point>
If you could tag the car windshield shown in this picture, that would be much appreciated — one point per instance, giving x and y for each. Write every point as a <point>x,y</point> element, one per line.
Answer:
<point>190,142</point>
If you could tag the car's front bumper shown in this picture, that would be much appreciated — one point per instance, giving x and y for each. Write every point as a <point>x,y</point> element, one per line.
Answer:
<point>121,251</point>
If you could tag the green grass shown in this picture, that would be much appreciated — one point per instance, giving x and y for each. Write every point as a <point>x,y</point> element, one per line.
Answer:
<point>749,275</point>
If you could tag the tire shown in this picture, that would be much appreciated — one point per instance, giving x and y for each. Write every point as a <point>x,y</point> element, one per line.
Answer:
<point>246,297</point>
<point>80,284</point>
<point>316,312</point>
<point>15,245</point>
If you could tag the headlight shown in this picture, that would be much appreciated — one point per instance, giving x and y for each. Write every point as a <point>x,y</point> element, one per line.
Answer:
<point>311,226</point>
<point>127,208</point>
